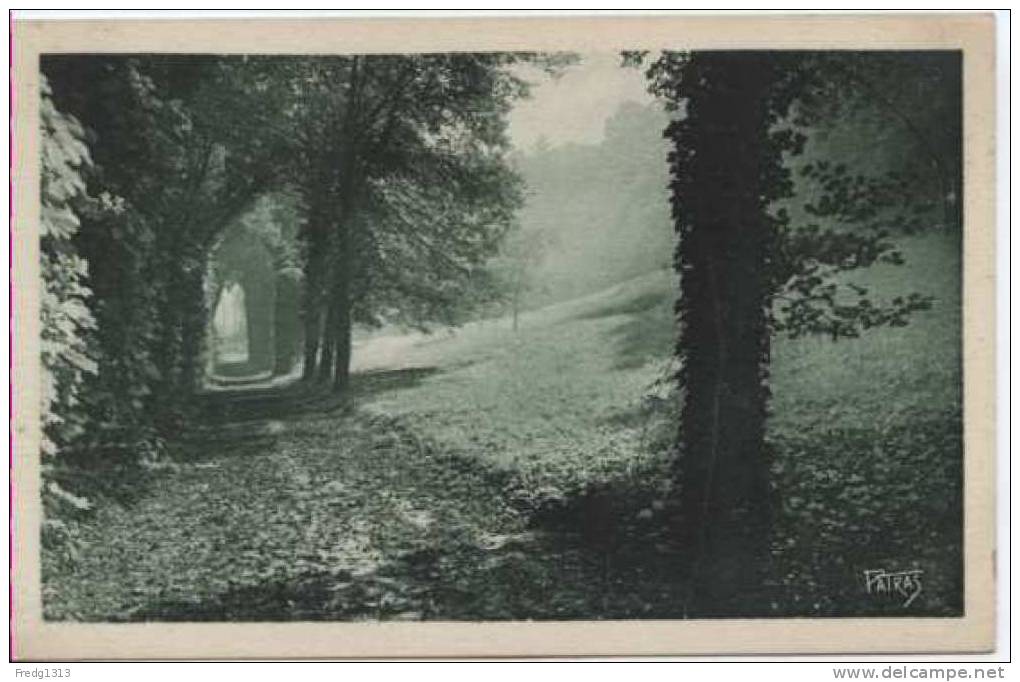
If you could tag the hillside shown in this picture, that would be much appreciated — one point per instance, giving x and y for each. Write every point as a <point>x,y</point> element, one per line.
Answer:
<point>601,211</point>
<point>598,355</point>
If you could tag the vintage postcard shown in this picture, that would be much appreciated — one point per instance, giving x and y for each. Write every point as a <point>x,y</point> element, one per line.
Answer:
<point>448,337</point>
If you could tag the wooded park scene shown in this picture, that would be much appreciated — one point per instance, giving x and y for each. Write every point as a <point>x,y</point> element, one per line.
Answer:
<point>501,336</point>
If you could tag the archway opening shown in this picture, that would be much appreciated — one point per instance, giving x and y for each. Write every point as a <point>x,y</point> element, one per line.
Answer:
<point>242,301</point>
<point>253,289</point>
<point>230,330</point>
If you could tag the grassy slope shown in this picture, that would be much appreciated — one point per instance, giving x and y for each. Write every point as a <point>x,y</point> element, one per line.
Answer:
<point>887,374</point>
<point>555,392</point>
<point>572,370</point>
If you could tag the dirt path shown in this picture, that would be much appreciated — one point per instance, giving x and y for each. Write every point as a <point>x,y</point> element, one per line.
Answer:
<point>321,516</point>
<point>324,515</point>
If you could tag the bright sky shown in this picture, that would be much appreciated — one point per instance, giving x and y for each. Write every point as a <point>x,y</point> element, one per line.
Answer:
<point>574,107</point>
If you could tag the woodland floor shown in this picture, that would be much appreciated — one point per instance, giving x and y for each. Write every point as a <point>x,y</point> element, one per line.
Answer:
<point>333,514</point>
<point>487,474</point>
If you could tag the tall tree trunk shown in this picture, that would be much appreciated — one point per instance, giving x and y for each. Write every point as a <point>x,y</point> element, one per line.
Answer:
<point>172,392</point>
<point>193,333</point>
<point>343,346</point>
<point>328,359</point>
<point>337,304</point>
<point>312,309</point>
<point>286,325</point>
<point>718,165</point>
<point>342,302</point>
<point>349,192</point>
<point>346,236</point>
<point>313,334</point>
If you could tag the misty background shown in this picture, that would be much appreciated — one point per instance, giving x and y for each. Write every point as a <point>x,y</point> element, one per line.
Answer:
<point>589,145</point>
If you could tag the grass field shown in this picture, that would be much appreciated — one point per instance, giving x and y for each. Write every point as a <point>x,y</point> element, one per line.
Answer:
<point>458,480</point>
<point>562,390</point>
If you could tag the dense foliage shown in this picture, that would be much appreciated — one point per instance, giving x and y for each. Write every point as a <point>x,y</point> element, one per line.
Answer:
<point>65,319</point>
<point>162,143</point>
<point>66,323</point>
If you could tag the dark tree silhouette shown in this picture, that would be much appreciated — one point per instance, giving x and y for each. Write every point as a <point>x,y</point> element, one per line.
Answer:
<point>718,165</point>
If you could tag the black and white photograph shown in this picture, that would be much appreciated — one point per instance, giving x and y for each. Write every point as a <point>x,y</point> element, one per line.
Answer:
<point>509,335</point>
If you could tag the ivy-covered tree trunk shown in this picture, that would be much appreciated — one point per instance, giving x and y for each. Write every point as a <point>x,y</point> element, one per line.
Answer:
<point>334,367</point>
<point>193,334</point>
<point>181,327</point>
<point>718,165</point>
<point>125,306</point>
<point>344,255</point>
